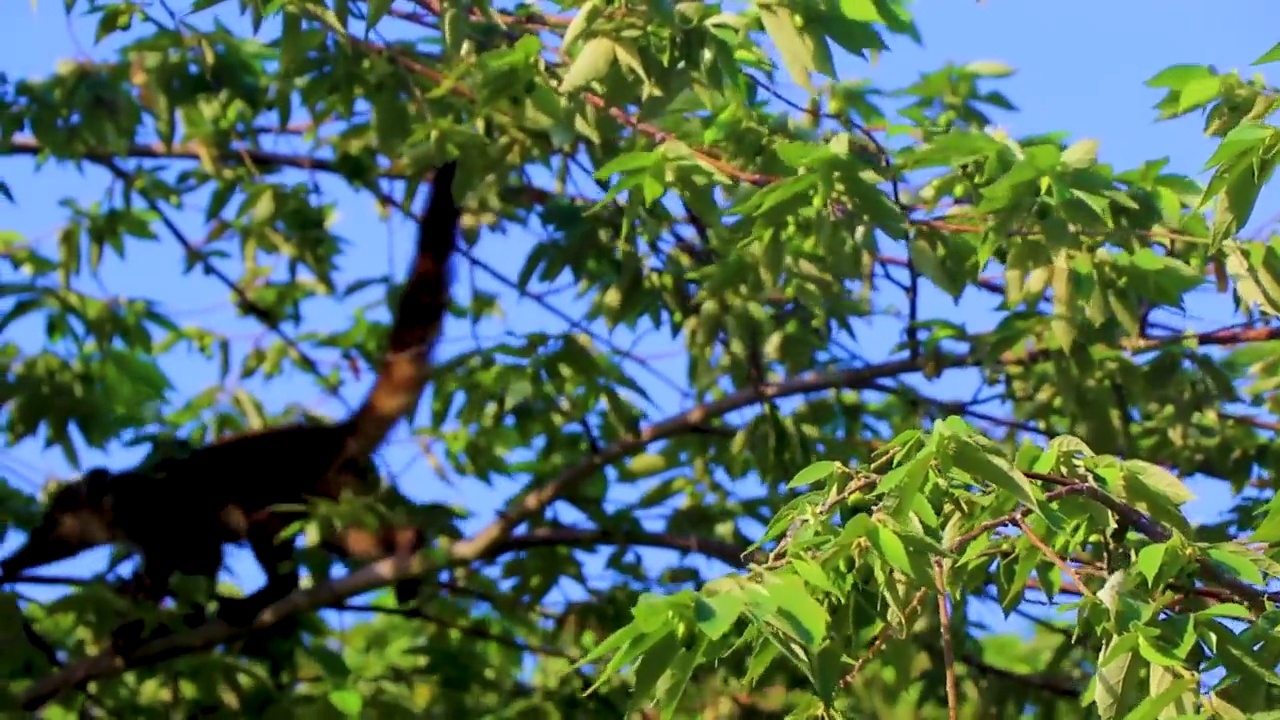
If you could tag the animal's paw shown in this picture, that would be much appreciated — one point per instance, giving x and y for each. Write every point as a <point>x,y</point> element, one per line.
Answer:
<point>133,634</point>
<point>408,591</point>
<point>195,618</point>
<point>238,612</point>
<point>127,637</point>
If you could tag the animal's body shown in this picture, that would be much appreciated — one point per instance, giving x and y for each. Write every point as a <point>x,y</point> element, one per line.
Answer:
<point>179,512</point>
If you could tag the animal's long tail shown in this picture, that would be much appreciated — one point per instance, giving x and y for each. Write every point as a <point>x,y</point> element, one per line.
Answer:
<point>425,300</point>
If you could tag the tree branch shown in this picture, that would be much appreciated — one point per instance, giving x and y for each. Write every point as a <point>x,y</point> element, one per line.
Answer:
<point>728,553</point>
<point>491,538</point>
<point>1053,685</point>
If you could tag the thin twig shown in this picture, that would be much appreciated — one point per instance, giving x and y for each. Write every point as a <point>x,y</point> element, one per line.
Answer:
<point>1034,539</point>
<point>948,653</point>
<point>252,308</point>
<point>883,637</point>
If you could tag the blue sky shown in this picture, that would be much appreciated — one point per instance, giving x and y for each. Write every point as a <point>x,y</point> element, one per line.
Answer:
<point>1080,69</point>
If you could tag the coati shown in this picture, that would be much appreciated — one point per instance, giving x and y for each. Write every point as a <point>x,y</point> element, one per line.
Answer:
<point>178,512</point>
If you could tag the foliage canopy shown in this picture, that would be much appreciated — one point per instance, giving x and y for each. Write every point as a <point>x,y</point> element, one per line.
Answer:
<point>702,173</point>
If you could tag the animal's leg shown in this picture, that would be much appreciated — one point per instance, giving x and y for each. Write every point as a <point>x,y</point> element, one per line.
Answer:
<point>149,584</point>
<point>363,545</point>
<point>152,584</point>
<point>276,557</point>
<point>405,543</point>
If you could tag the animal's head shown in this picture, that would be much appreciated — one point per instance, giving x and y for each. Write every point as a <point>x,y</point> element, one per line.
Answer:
<point>77,517</point>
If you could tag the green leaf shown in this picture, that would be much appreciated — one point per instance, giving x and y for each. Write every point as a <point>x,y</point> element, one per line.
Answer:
<point>1240,660</point>
<point>637,646</point>
<point>115,18</point>
<point>1175,77</point>
<point>812,573</point>
<point>584,19</point>
<point>347,701</point>
<point>1255,270</point>
<point>1268,531</point>
<point>801,154</point>
<point>887,543</point>
<point>990,468</point>
<point>331,663</point>
<point>1199,92</point>
<point>1270,56</point>
<point>1155,491</point>
<point>375,11</point>
<point>793,610</point>
<point>1231,610</point>
<point>777,193</point>
<point>1081,154</point>
<point>716,614</point>
<point>627,162</point>
<point>647,464</point>
<point>989,68</point>
<point>802,53</point>
<point>908,480</point>
<point>1117,684</point>
<point>1241,183</point>
<point>1158,653</point>
<point>1112,589</point>
<point>674,682</point>
<point>812,474</point>
<point>1241,138</point>
<point>858,526</point>
<point>764,655</point>
<point>653,665</point>
<point>593,63</point>
<point>617,640</point>
<point>1173,692</point>
<point>1238,560</point>
<point>1159,480</point>
<point>1149,560</point>
<point>846,29</point>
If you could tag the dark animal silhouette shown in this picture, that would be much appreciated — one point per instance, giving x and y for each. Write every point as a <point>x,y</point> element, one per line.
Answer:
<point>179,512</point>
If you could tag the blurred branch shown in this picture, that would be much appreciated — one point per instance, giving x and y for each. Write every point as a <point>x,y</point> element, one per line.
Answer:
<point>495,537</point>
<point>725,552</point>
